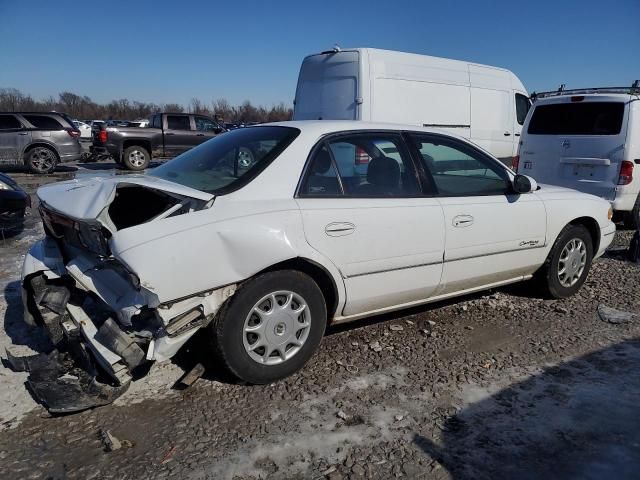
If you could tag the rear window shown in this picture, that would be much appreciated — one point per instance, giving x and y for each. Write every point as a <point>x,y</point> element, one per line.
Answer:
<point>595,118</point>
<point>44,122</point>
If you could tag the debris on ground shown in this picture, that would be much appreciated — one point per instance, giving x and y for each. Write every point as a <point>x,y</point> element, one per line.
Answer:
<point>612,315</point>
<point>109,441</point>
<point>190,378</point>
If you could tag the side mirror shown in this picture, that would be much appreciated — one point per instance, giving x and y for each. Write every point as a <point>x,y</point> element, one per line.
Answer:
<point>524,184</point>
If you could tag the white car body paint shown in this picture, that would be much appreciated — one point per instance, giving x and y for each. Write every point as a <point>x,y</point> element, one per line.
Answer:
<point>402,252</point>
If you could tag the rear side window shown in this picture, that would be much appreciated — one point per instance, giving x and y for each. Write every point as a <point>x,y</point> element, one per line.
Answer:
<point>594,118</point>
<point>9,122</point>
<point>362,165</point>
<point>44,122</point>
<point>522,108</point>
<point>178,122</point>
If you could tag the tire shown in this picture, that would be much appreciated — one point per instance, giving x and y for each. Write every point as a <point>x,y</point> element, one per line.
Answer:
<point>562,285</point>
<point>632,219</point>
<point>41,160</point>
<point>233,331</point>
<point>136,158</point>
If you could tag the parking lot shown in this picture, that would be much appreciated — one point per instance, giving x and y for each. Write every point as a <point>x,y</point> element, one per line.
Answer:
<point>497,385</point>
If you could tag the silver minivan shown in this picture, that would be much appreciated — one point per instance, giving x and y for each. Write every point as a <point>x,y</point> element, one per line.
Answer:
<point>38,141</point>
<point>588,140</point>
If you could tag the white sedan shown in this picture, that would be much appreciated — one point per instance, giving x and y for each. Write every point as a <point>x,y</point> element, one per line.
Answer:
<point>329,222</point>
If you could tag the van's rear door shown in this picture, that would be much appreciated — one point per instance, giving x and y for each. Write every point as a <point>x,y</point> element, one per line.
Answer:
<point>328,87</point>
<point>577,143</point>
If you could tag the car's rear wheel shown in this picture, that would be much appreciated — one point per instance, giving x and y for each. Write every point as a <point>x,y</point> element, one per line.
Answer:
<point>136,158</point>
<point>568,263</point>
<point>41,160</point>
<point>270,327</point>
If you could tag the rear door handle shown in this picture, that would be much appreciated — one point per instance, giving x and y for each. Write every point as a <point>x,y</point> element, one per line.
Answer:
<point>339,229</point>
<point>462,221</point>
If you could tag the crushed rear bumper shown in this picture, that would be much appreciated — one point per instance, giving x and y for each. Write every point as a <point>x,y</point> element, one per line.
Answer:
<point>102,325</point>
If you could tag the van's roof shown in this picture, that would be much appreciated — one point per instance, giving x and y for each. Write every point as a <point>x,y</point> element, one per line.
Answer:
<point>399,53</point>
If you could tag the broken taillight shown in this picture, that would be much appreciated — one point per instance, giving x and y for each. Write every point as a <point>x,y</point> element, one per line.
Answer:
<point>626,173</point>
<point>102,136</point>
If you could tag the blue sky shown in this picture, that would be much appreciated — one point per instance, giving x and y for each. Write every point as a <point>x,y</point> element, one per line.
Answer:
<point>159,51</point>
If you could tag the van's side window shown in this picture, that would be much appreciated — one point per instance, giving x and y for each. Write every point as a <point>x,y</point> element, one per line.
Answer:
<point>458,169</point>
<point>522,108</point>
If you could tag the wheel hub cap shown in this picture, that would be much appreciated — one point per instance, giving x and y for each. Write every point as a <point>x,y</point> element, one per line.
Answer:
<point>573,259</point>
<point>276,328</point>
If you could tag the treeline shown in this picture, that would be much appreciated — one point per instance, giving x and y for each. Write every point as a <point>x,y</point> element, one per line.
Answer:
<point>82,107</point>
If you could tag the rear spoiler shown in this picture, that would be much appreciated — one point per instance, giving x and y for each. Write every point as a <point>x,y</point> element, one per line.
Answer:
<point>634,89</point>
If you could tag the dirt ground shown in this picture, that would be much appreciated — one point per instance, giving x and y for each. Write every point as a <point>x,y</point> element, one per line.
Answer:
<point>496,385</point>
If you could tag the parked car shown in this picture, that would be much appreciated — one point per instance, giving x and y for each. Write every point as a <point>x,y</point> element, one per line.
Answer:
<point>13,204</point>
<point>485,104</point>
<point>587,139</point>
<point>264,255</point>
<point>38,140</point>
<point>84,128</point>
<point>168,135</point>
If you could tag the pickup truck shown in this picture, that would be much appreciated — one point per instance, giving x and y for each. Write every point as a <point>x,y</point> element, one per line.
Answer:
<point>168,135</point>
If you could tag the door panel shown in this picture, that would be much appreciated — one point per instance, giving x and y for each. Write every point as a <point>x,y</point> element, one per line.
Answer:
<point>391,255</point>
<point>497,245</point>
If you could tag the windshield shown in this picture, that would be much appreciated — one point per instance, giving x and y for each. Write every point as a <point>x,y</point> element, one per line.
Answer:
<point>228,161</point>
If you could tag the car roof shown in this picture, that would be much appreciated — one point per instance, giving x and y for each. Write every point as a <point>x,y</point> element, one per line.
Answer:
<point>323,127</point>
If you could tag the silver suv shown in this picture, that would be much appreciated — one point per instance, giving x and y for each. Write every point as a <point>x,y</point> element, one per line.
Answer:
<point>38,140</point>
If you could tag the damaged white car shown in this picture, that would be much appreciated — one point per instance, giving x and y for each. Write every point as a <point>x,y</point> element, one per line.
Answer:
<point>264,235</point>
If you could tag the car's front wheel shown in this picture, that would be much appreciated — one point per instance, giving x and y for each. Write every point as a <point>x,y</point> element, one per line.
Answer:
<point>270,327</point>
<point>568,263</point>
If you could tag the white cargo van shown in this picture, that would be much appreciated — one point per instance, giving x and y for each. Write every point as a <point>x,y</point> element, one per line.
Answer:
<point>486,104</point>
<point>588,140</point>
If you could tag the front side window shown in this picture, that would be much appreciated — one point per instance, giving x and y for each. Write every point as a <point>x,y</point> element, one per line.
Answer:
<point>9,122</point>
<point>178,122</point>
<point>368,165</point>
<point>522,108</point>
<point>228,161</point>
<point>580,118</point>
<point>458,169</point>
<point>204,124</point>
<point>43,122</point>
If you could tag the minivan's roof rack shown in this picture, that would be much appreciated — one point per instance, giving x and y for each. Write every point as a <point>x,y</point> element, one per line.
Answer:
<point>634,89</point>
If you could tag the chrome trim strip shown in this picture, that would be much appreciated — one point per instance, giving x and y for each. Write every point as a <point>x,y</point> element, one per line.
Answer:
<point>443,262</point>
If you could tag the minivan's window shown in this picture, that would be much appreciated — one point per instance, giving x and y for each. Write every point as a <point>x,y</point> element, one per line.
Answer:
<point>178,122</point>
<point>9,122</point>
<point>522,108</point>
<point>458,169</point>
<point>580,118</point>
<point>42,121</point>
<point>373,165</point>
<point>227,161</point>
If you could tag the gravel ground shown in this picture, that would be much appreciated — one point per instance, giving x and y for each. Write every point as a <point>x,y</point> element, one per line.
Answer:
<point>497,385</point>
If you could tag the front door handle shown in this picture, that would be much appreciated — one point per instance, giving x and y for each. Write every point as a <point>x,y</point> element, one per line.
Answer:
<point>339,229</point>
<point>462,221</point>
